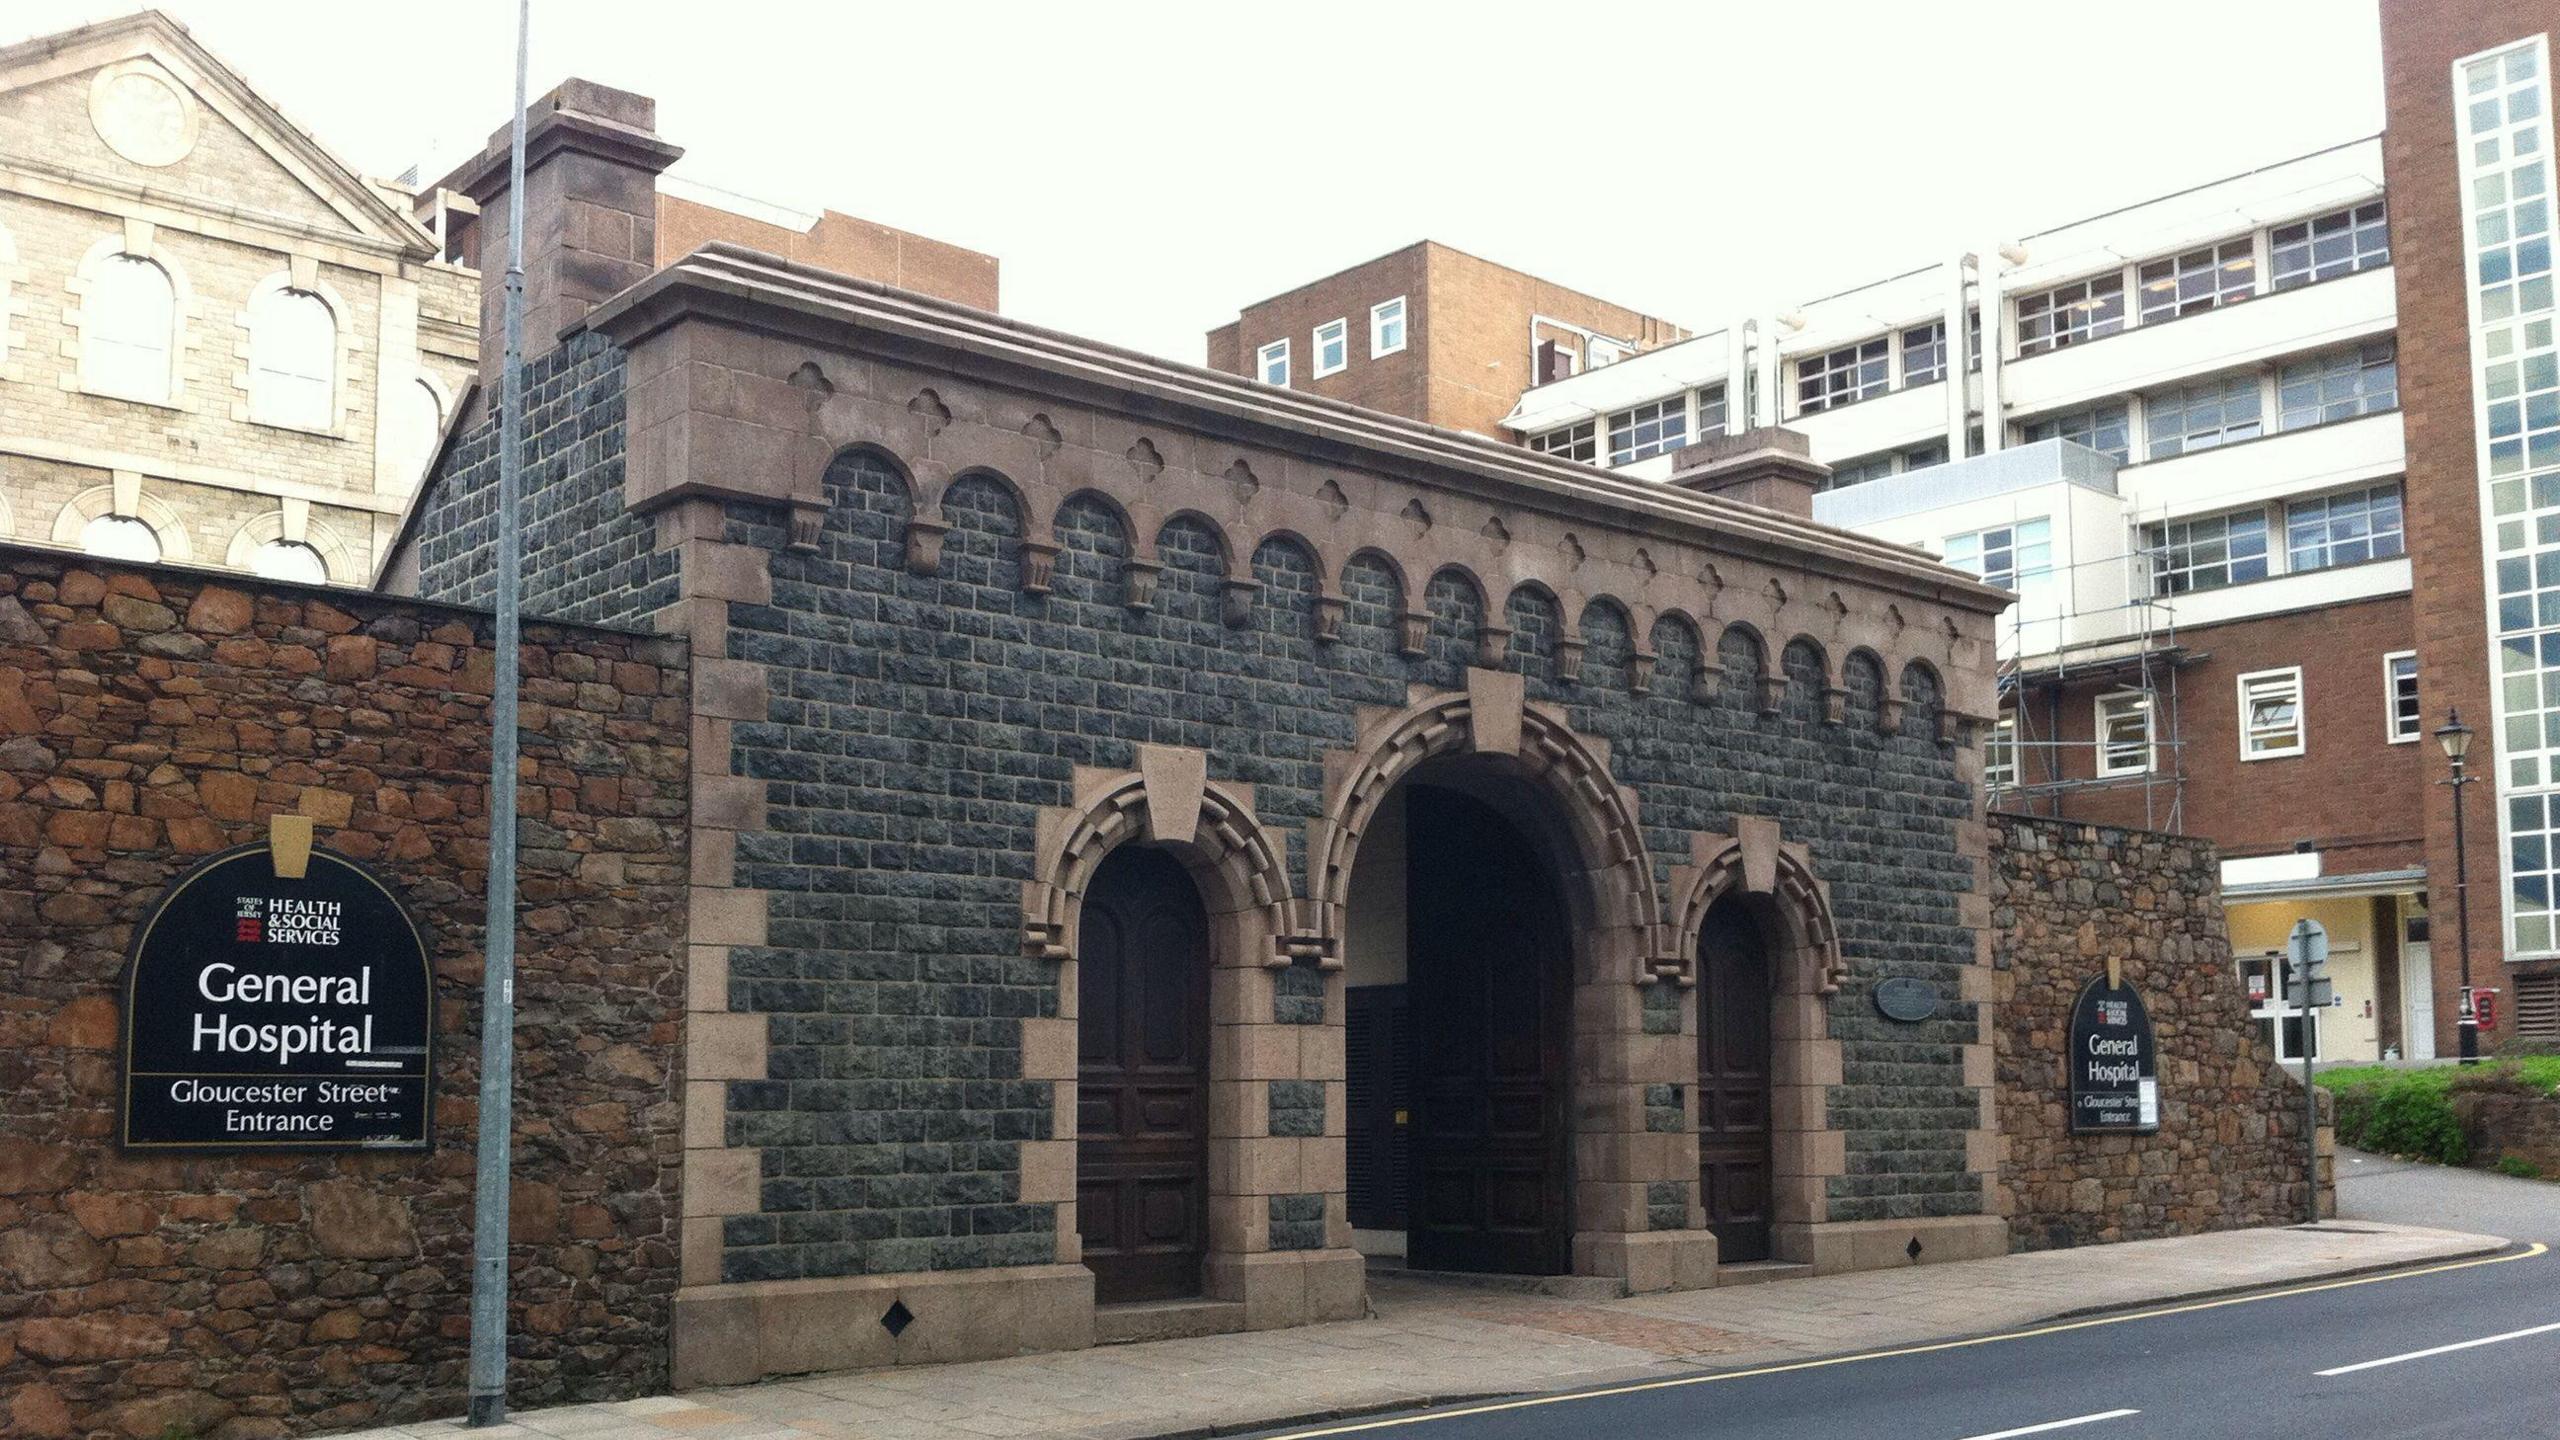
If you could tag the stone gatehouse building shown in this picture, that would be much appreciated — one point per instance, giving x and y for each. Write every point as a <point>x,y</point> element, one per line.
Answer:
<point>1155,838</point>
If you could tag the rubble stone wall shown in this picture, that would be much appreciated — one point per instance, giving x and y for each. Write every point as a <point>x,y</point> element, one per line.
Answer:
<point>150,716</point>
<point>2066,897</point>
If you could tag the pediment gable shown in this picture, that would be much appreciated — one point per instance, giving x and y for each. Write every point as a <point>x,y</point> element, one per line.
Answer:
<point>137,103</point>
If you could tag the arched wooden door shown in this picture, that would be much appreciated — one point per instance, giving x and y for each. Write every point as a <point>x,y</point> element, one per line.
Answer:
<point>1490,985</point>
<point>1142,1079</point>
<point>1734,1159</point>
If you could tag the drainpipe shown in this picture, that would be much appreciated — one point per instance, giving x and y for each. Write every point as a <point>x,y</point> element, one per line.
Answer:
<point>1739,396</point>
<point>1959,350</point>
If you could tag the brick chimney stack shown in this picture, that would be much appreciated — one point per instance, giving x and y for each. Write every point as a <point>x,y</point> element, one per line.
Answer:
<point>591,164</point>
<point>1771,467</point>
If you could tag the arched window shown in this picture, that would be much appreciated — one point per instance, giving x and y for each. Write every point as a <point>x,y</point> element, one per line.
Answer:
<point>120,537</point>
<point>289,560</point>
<point>128,326</point>
<point>293,360</point>
<point>418,421</point>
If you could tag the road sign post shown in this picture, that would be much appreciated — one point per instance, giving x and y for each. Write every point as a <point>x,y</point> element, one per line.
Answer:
<point>2306,984</point>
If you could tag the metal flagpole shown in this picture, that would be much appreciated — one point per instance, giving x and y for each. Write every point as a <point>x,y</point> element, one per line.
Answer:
<point>498,976</point>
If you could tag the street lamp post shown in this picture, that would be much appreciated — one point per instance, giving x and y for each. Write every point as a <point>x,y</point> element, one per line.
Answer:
<point>2455,737</point>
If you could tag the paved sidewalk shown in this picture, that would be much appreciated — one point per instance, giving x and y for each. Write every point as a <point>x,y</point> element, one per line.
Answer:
<point>1435,1342</point>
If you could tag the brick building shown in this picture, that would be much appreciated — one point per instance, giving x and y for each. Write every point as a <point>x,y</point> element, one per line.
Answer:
<point>2467,126</point>
<point>1432,334</point>
<point>218,343</point>
<point>1043,697</point>
<point>690,215</point>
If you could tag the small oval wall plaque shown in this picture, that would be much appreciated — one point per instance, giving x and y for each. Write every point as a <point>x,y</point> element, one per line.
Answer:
<point>1905,999</point>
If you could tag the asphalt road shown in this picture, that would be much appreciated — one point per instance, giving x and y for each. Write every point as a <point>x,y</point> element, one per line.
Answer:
<point>2245,1366</point>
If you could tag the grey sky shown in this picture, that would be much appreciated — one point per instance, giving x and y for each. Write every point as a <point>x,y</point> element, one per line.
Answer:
<point>1144,169</point>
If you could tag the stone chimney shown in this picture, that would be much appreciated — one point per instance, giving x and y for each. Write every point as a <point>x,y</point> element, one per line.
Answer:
<point>1771,467</point>
<point>592,158</point>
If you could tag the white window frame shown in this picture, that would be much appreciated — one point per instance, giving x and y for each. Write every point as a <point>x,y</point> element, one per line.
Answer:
<point>1262,359</point>
<point>2273,684</point>
<point>2150,742</point>
<point>1341,341</point>
<point>2002,741</point>
<point>288,388</point>
<point>2392,730</point>
<point>1379,319</point>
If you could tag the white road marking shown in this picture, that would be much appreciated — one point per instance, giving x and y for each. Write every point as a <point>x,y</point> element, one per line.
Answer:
<point>2438,1350</point>
<point>2055,1425</point>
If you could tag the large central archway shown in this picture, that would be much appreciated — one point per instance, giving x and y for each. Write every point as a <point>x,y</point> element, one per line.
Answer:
<point>1459,1002</point>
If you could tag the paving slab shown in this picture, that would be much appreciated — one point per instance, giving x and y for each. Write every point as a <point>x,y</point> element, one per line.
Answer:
<point>1431,1343</point>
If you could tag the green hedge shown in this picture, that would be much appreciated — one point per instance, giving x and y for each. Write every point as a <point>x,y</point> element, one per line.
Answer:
<point>2410,1112</point>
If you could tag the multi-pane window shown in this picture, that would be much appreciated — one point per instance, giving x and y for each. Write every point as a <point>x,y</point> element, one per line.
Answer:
<point>2199,280</point>
<point>2207,553</point>
<point>2328,246</point>
<point>2069,314</point>
<point>2510,199</point>
<point>1271,362</point>
<point>2340,385</point>
<point>2124,733</point>
<point>1333,347</point>
<point>2103,428</point>
<point>1386,327</point>
<point>120,537</point>
<point>2271,724</point>
<point>2199,417</point>
<point>2404,721</point>
<point>2342,529</point>
<point>1859,471</point>
<point>1924,353</point>
<point>1711,409</point>
<point>2000,755</point>
<point>1573,442</point>
<point>128,326</point>
<point>1648,430</point>
<point>1852,372</point>
<point>2533,867</point>
<point>1923,457</point>
<point>293,353</point>
<point>2011,556</point>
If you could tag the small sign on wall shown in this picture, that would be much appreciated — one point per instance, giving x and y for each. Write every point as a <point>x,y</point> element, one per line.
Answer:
<point>2115,1066</point>
<point>277,998</point>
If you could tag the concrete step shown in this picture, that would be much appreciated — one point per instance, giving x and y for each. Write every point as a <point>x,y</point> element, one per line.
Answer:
<point>1561,1287</point>
<point>1165,1320</point>
<point>1760,1272</point>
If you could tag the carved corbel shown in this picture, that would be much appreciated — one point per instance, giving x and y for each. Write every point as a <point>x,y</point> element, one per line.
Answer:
<point>1889,715</point>
<point>924,546</point>
<point>1141,578</point>
<point>1493,646</point>
<point>1413,633</point>
<point>1773,692</point>
<point>808,521</point>
<point>1039,566</point>
<point>1706,681</point>
<point>1235,601</point>
<point>1640,668</point>
<point>1569,650</point>
<point>1835,705</point>
<point>1329,612</point>
<point>1959,730</point>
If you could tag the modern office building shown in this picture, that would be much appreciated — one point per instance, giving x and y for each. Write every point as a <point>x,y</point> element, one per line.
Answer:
<point>219,344</point>
<point>2176,431</point>
<point>1432,334</point>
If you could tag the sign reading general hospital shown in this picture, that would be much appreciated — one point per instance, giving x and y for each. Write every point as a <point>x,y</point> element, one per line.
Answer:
<point>2115,1068</point>
<point>277,998</point>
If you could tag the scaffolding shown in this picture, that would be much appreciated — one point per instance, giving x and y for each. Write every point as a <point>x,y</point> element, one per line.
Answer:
<point>2144,658</point>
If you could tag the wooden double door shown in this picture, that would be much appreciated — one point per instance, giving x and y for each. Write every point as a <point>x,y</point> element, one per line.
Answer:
<point>1735,1159</point>
<point>1487,1011</point>
<point>1142,1079</point>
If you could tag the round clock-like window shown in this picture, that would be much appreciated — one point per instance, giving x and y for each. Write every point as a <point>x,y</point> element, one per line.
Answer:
<point>142,114</point>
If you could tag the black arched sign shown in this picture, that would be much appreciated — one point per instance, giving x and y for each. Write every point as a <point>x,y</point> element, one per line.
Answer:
<point>2115,1066</point>
<point>277,1011</point>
